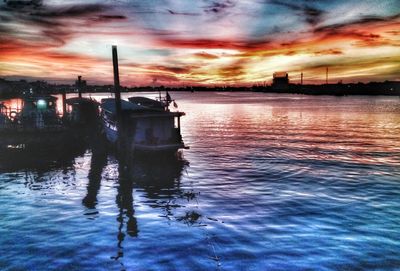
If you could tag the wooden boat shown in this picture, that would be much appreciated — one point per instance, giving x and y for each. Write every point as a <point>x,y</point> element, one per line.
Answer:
<point>142,128</point>
<point>140,125</point>
<point>38,122</point>
<point>82,112</point>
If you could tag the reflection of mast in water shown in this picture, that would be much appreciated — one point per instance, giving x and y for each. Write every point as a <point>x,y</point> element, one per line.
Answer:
<point>99,161</point>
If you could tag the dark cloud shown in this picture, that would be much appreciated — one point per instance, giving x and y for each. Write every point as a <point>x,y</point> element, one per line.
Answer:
<point>53,25</point>
<point>311,15</point>
<point>335,28</point>
<point>171,69</point>
<point>182,13</point>
<point>16,4</point>
<point>329,52</point>
<point>105,18</point>
<point>163,78</point>
<point>70,11</point>
<point>234,70</point>
<point>360,30</point>
<point>219,6</point>
<point>205,55</point>
<point>236,44</point>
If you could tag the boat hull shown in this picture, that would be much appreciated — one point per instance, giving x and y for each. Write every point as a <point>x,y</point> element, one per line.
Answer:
<point>111,134</point>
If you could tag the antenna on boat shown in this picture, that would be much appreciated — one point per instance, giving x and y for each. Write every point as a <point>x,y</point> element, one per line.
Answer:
<point>117,91</point>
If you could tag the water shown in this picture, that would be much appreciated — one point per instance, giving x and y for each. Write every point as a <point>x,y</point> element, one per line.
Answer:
<point>270,182</point>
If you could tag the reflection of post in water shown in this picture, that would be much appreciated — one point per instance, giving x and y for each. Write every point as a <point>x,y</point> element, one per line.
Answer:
<point>99,161</point>
<point>124,202</point>
<point>160,180</point>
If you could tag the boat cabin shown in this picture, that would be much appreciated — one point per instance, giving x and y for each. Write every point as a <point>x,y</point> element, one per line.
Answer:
<point>82,111</point>
<point>141,127</point>
<point>38,112</point>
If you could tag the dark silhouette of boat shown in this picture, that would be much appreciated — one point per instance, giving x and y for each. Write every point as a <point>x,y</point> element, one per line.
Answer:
<point>38,122</point>
<point>143,128</point>
<point>140,124</point>
<point>82,112</point>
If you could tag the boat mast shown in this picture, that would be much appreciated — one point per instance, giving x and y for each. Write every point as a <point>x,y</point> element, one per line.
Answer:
<point>117,91</point>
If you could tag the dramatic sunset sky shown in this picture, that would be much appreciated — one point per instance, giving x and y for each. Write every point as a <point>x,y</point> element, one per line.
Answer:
<point>184,42</point>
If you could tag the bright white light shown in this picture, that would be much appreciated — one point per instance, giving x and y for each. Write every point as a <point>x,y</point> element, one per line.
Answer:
<point>41,104</point>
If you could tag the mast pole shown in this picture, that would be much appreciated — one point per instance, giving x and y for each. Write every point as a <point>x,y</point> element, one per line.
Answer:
<point>117,91</point>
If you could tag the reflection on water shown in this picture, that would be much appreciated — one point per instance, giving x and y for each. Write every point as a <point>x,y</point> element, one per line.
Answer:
<point>274,182</point>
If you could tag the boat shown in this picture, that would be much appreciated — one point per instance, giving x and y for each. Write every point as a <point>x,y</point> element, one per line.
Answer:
<point>140,125</point>
<point>82,112</point>
<point>38,122</point>
<point>144,126</point>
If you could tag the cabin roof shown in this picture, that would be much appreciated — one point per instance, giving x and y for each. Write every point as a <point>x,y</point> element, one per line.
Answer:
<point>145,112</point>
<point>146,102</point>
<point>39,97</point>
<point>109,105</point>
<point>77,100</point>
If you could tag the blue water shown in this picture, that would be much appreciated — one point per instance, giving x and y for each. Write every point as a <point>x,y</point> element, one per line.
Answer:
<point>270,182</point>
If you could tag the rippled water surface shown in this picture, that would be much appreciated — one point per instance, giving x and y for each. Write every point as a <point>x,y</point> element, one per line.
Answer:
<point>270,182</point>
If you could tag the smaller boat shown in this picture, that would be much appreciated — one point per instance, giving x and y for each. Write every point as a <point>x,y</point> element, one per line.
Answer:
<point>38,122</point>
<point>39,113</point>
<point>82,112</point>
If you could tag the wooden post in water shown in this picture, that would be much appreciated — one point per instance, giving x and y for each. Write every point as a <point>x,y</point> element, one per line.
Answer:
<point>117,91</point>
<point>79,86</point>
<point>121,142</point>
<point>64,102</point>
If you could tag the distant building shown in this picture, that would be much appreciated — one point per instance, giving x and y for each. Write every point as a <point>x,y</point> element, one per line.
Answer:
<point>280,81</point>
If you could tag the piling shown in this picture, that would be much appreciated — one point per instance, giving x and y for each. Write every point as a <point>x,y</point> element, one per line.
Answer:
<point>64,102</point>
<point>117,90</point>
<point>80,86</point>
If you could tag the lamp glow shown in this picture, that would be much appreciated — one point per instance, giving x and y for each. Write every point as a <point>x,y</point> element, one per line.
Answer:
<point>41,104</point>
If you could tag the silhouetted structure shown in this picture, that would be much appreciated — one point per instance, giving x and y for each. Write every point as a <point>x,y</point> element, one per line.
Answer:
<point>80,85</point>
<point>280,81</point>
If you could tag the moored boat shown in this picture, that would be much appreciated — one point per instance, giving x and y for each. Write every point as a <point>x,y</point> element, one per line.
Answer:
<point>82,112</point>
<point>140,125</point>
<point>142,128</point>
<point>38,122</point>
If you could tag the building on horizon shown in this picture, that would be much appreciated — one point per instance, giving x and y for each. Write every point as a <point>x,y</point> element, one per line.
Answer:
<point>280,81</point>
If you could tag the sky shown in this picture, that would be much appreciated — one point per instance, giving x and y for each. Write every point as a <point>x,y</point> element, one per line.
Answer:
<point>202,42</point>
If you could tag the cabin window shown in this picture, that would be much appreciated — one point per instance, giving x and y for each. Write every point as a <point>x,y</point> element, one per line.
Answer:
<point>176,123</point>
